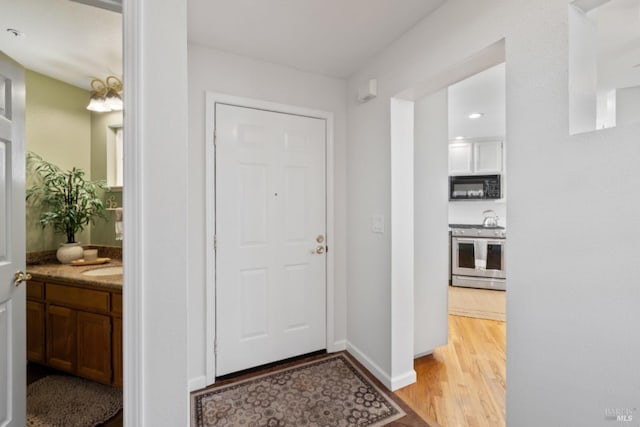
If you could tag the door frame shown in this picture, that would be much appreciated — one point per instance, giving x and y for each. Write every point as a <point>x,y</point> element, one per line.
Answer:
<point>213,98</point>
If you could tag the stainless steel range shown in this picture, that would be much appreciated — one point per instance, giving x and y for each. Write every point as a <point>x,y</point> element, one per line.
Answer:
<point>477,256</point>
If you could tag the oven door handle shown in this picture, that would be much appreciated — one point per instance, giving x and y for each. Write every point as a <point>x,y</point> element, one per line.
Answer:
<point>496,242</point>
<point>465,240</point>
<point>479,239</point>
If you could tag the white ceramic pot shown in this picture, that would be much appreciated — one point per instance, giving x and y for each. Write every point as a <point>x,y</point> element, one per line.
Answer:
<point>68,252</point>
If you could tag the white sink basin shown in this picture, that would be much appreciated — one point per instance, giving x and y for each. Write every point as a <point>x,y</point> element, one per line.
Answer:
<point>104,271</point>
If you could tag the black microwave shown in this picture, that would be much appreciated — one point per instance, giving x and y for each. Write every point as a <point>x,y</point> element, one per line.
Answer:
<point>475,187</point>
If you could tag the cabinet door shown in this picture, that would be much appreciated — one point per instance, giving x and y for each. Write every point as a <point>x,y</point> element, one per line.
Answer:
<point>61,338</point>
<point>94,346</point>
<point>117,352</point>
<point>35,332</point>
<point>487,157</point>
<point>460,158</point>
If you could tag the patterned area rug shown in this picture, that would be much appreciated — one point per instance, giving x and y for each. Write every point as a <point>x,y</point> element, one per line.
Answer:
<point>57,400</point>
<point>327,392</point>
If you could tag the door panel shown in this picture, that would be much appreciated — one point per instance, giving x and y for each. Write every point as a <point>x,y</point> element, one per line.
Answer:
<point>253,205</point>
<point>61,338</point>
<point>5,373</point>
<point>12,245</point>
<point>253,285</point>
<point>117,352</point>
<point>270,207</point>
<point>94,355</point>
<point>5,180</point>
<point>35,332</point>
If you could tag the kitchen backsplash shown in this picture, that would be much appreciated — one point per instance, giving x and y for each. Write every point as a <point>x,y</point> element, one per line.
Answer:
<point>470,212</point>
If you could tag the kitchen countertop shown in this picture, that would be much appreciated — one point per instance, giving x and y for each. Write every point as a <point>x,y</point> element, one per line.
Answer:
<point>72,275</point>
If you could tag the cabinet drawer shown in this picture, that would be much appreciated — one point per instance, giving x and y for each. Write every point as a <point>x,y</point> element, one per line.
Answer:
<point>35,290</point>
<point>78,297</point>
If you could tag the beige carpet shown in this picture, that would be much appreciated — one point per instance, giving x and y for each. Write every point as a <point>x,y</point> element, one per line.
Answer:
<point>63,401</point>
<point>327,392</point>
<point>478,303</point>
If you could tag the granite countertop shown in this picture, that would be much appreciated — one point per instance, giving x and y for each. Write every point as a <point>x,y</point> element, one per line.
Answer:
<point>65,273</point>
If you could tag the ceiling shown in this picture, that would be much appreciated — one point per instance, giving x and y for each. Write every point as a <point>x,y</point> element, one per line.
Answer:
<point>75,43</point>
<point>329,37</point>
<point>69,41</point>
<point>484,93</point>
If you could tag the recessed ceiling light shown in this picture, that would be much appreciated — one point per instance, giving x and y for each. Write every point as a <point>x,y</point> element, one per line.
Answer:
<point>14,32</point>
<point>475,115</point>
<point>459,137</point>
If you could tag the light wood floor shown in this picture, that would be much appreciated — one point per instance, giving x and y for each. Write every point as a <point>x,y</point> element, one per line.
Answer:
<point>462,384</point>
<point>480,303</point>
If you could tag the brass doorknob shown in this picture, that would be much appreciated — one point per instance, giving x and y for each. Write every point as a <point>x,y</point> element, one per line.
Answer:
<point>320,249</point>
<point>20,277</point>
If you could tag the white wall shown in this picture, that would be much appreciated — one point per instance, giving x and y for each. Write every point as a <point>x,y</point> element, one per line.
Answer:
<point>215,71</point>
<point>628,105</point>
<point>155,215</point>
<point>574,295</point>
<point>402,241</point>
<point>583,70</point>
<point>470,211</point>
<point>431,219</point>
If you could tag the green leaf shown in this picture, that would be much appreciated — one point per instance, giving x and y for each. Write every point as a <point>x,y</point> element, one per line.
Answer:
<point>70,201</point>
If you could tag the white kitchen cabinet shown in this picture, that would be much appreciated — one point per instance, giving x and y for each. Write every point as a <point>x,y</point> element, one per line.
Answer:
<point>487,157</point>
<point>461,158</point>
<point>475,157</point>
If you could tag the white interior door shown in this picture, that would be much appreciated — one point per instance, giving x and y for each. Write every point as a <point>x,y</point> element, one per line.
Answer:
<point>270,231</point>
<point>13,357</point>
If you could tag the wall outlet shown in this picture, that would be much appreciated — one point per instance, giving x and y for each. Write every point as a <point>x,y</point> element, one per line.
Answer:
<point>377,224</point>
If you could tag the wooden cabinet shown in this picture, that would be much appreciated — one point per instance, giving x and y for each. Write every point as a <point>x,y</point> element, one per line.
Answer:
<point>61,338</point>
<point>475,157</point>
<point>116,309</point>
<point>93,344</point>
<point>117,352</point>
<point>76,329</point>
<point>35,332</point>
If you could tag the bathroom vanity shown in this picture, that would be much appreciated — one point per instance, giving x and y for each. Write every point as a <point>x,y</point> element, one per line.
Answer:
<point>74,321</point>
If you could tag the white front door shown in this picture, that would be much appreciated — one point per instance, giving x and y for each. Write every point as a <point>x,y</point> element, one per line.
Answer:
<point>13,358</point>
<point>270,230</point>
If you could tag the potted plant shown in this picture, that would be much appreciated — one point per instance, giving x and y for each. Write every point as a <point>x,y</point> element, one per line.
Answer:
<point>69,200</point>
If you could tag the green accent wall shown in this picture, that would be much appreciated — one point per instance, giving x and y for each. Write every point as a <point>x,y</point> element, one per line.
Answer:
<point>59,128</point>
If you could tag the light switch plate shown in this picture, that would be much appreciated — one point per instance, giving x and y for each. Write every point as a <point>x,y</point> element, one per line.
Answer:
<point>377,224</point>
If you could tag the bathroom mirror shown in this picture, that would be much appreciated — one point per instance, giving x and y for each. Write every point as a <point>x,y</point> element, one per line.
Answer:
<point>114,156</point>
<point>604,64</point>
<point>3,96</point>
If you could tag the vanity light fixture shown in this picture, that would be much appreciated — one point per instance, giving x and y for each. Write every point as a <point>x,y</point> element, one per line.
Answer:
<point>106,95</point>
<point>475,115</point>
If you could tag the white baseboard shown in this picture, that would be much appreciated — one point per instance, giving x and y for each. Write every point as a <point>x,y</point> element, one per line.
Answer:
<point>377,372</point>
<point>197,383</point>
<point>403,380</point>
<point>392,383</point>
<point>424,353</point>
<point>337,346</point>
